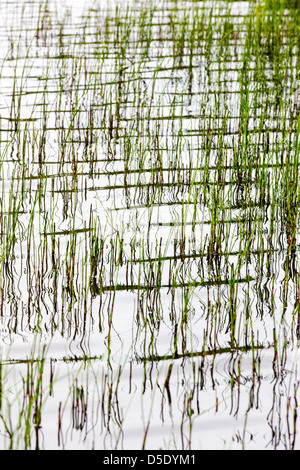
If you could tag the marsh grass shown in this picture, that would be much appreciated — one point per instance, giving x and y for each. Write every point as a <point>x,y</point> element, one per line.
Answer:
<point>149,222</point>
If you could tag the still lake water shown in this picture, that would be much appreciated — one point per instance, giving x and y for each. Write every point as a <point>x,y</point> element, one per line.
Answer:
<point>149,231</point>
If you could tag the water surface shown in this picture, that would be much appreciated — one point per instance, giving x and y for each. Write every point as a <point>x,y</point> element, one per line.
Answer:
<point>149,284</point>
